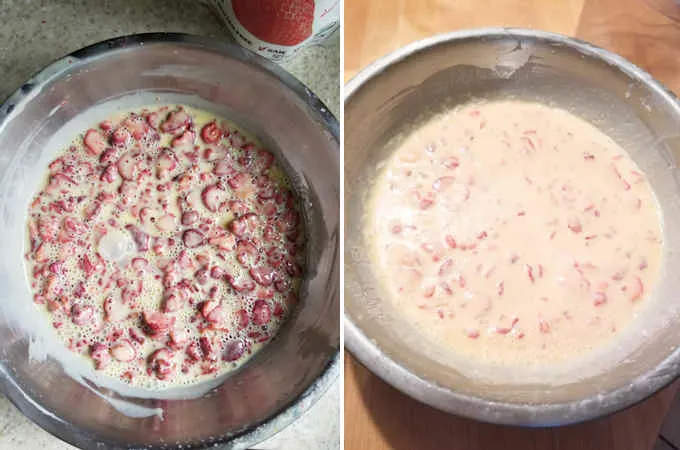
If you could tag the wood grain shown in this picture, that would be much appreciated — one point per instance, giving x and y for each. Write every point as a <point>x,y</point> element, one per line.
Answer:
<point>378,417</point>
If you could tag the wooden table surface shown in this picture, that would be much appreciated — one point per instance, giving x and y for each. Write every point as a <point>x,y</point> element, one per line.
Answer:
<point>378,417</point>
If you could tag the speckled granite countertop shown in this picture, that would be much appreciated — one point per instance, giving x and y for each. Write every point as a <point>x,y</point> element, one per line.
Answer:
<point>34,33</point>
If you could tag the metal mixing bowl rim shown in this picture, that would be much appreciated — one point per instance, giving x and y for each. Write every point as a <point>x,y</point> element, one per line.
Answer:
<point>287,413</point>
<point>375,359</point>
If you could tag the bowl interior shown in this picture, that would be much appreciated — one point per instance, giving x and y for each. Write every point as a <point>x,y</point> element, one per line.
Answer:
<point>396,94</point>
<point>74,94</point>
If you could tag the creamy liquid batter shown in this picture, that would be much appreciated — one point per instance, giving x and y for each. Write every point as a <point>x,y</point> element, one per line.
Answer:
<point>166,245</point>
<point>515,233</point>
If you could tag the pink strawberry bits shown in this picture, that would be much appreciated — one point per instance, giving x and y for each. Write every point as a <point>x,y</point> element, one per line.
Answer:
<point>516,234</point>
<point>166,246</point>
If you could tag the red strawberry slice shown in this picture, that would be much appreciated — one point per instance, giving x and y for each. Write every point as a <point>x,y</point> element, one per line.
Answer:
<point>280,22</point>
<point>94,141</point>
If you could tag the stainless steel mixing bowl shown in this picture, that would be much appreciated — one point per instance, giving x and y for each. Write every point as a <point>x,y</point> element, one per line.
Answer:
<point>289,374</point>
<point>396,92</point>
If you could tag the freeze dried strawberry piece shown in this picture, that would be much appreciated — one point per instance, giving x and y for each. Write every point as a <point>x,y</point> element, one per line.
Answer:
<point>244,226</point>
<point>172,302</point>
<point>217,273</point>
<point>242,319</point>
<point>224,241</point>
<point>261,312</point>
<point>201,276</point>
<point>100,354</point>
<point>193,352</point>
<point>280,22</point>
<point>186,139</point>
<point>211,133</point>
<point>241,284</point>
<point>240,180</point>
<point>161,363</point>
<point>282,285</point>
<point>108,156</point>
<point>212,197</point>
<point>193,238</point>
<point>94,141</point>
<point>124,351</point>
<point>109,174</point>
<point>189,217</point>
<point>264,293</point>
<point>233,351</point>
<point>136,125</point>
<point>175,121</point>
<point>120,138</point>
<point>82,314</point>
<point>237,207</point>
<point>166,162</point>
<point>141,238</point>
<point>178,338</point>
<point>223,168</point>
<point>158,323</point>
<point>48,229</point>
<point>154,120</point>
<point>264,160</point>
<point>246,253</point>
<point>262,275</point>
<point>127,166</point>
<point>86,265</point>
<point>288,221</point>
<point>210,349</point>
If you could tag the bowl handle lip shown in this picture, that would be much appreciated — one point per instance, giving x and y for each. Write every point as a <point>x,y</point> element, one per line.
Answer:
<point>375,68</point>
<point>124,43</point>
